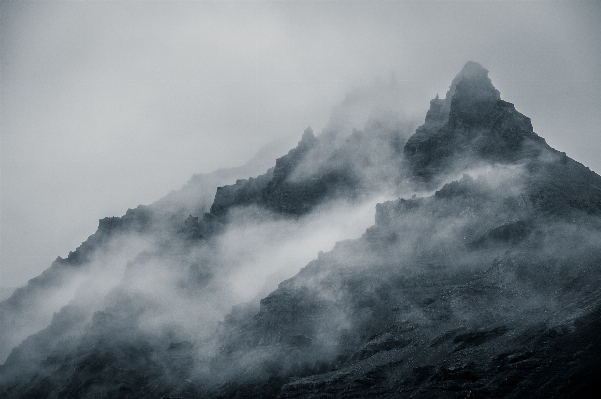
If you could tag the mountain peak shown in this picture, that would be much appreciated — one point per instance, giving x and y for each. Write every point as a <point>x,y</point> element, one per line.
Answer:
<point>473,70</point>
<point>489,286</point>
<point>469,87</point>
<point>471,95</point>
<point>475,76</point>
<point>473,120</point>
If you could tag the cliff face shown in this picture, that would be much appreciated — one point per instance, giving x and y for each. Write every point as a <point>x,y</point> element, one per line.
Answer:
<point>174,229</point>
<point>487,288</point>
<point>117,240</point>
<point>30,308</point>
<point>314,172</point>
<point>471,124</point>
<point>272,189</point>
<point>473,291</point>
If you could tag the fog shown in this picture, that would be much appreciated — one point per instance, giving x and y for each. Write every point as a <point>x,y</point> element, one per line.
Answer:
<point>192,292</point>
<point>83,288</point>
<point>107,105</point>
<point>149,269</point>
<point>297,268</point>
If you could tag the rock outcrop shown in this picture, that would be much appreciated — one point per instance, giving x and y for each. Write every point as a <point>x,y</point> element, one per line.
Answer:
<point>472,124</point>
<point>489,287</point>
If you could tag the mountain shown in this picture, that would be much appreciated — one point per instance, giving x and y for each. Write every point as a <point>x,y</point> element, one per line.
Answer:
<point>103,255</point>
<point>479,278</point>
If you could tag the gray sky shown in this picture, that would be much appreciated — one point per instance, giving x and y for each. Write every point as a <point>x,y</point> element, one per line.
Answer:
<point>107,105</point>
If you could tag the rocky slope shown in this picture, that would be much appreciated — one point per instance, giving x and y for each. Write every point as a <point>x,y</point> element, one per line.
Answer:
<point>30,308</point>
<point>488,287</point>
<point>471,125</point>
<point>176,228</point>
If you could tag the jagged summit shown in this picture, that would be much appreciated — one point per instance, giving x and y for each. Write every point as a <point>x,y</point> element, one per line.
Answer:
<point>475,86</point>
<point>475,77</point>
<point>472,71</point>
<point>472,94</point>
<point>489,287</point>
<point>472,122</point>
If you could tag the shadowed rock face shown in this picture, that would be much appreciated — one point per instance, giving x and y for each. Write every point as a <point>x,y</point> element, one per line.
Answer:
<point>30,308</point>
<point>313,172</point>
<point>273,190</point>
<point>473,97</point>
<point>487,288</point>
<point>471,124</point>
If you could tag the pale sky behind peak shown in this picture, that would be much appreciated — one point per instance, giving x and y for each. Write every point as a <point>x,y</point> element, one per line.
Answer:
<point>105,105</point>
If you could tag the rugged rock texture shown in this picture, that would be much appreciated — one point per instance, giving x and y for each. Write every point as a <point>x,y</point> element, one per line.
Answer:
<point>487,288</point>
<point>412,309</point>
<point>30,308</point>
<point>314,171</point>
<point>473,292</point>
<point>471,124</point>
<point>177,225</point>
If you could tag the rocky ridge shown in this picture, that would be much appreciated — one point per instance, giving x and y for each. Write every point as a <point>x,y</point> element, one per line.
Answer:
<point>166,227</point>
<point>487,288</point>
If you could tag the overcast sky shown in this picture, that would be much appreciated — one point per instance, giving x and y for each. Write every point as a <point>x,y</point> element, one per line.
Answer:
<point>107,105</point>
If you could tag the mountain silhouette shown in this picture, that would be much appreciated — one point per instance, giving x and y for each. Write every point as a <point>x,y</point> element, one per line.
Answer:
<point>483,282</point>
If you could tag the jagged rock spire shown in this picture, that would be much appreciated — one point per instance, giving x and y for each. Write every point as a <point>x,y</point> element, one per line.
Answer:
<point>475,73</point>
<point>473,95</point>
<point>470,87</point>
<point>472,121</point>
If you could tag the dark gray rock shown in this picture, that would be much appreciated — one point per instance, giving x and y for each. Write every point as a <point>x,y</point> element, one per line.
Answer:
<point>487,288</point>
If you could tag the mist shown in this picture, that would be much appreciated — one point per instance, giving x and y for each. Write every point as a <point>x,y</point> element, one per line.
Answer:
<point>362,236</point>
<point>177,286</point>
<point>105,106</point>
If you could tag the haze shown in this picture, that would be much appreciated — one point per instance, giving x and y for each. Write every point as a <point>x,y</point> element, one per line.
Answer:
<point>107,105</point>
